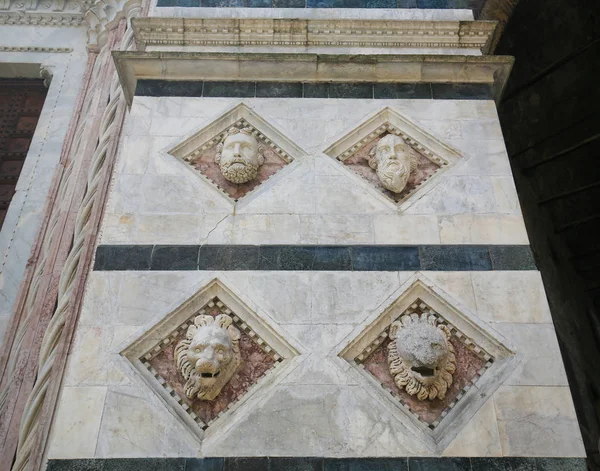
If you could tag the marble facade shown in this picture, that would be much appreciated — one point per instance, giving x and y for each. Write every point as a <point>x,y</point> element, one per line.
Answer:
<point>298,363</point>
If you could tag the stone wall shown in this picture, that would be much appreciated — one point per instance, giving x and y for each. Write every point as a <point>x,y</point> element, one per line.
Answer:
<point>315,403</point>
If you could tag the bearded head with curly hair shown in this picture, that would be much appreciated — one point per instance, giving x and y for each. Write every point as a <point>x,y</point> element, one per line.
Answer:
<point>239,155</point>
<point>393,160</point>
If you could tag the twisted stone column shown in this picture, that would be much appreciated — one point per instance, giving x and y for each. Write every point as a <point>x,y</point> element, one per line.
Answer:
<point>37,344</point>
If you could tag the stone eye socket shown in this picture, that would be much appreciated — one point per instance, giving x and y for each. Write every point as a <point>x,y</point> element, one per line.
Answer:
<point>220,353</point>
<point>385,149</point>
<point>199,348</point>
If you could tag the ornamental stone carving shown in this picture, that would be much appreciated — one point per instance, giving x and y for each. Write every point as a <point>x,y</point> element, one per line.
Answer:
<point>237,152</point>
<point>208,356</point>
<point>397,157</point>
<point>393,160</point>
<point>420,356</point>
<point>239,156</point>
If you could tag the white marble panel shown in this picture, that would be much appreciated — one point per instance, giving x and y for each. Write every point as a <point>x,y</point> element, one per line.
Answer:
<point>77,423</point>
<point>483,229</point>
<point>511,296</point>
<point>135,424</point>
<point>331,420</point>
<point>537,421</point>
<point>406,229</point>
<point>479,437</point>
<point>542,362</point>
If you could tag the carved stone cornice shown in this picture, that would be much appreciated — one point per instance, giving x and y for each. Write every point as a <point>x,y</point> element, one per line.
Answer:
<point>158,31</point>
<point>44,13</point>
<point>216,66</point>
<point>100,16</point>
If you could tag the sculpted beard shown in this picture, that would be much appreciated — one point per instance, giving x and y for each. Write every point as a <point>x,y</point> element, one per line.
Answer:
<point>393,174</point>
<point>239,171</point>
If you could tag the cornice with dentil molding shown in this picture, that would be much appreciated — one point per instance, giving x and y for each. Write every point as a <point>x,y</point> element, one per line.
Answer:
<point>99,16</point>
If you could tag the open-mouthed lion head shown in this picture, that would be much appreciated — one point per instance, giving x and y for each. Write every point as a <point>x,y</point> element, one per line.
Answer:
<point>209,356</point>
<point>420,356</point>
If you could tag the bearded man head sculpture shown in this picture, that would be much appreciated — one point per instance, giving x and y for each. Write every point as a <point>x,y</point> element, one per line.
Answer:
<point>209,356</point>
<point>239,155</point>
<point>393,160</point>
<point>420,356</point>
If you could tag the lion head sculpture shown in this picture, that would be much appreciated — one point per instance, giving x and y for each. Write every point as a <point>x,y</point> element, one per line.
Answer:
<point>239,155</point>
<point>208,356</point>
<point>420,356</point>
<point>393,160</point>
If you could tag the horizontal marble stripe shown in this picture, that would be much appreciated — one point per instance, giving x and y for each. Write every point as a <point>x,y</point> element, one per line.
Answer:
<point>320,464</point>
<point>434,4</point>
<point>437,91</point>
<point>315,257</point>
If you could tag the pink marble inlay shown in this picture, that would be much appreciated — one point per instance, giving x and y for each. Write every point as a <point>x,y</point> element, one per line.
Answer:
<point>359,163</point>
<point>255,363</point>
<point>468,364</point>
<point>205,164</point>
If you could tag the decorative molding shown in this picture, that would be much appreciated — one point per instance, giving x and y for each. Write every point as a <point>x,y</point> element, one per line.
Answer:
<point>100,16</point>
<point>40,19</point>
<point>149,352</point>
<point>35,49</point>
<point>480,346</point>
<point>198,151</point>
<point>105,15</point>
<point>434,156</point>
<point>157,31</point>
<point>44,13</point>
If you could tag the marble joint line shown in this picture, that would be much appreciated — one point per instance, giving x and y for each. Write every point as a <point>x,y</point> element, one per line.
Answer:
<point>320,464</point>
<point>383,91</point>
<point>314,257</point>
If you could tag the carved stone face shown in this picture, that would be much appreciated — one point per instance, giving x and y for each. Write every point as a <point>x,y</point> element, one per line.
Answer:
<point>393,160</point>
<point>421,357</point>
<point>239,156</point>
<point>209,356</point>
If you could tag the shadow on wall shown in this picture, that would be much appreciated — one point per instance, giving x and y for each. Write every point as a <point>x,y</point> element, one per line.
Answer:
<point>550,119</point>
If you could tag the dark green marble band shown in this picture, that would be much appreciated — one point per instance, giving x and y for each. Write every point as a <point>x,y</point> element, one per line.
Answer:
<point>382,91</point>
<point>320,464</point>
<point>315,257</point>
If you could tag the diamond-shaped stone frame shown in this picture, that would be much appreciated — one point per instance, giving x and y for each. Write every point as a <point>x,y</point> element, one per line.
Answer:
<point>151,343</point>
<point>500,359</point>
<point>388,120</point>
<point>209,136</point>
